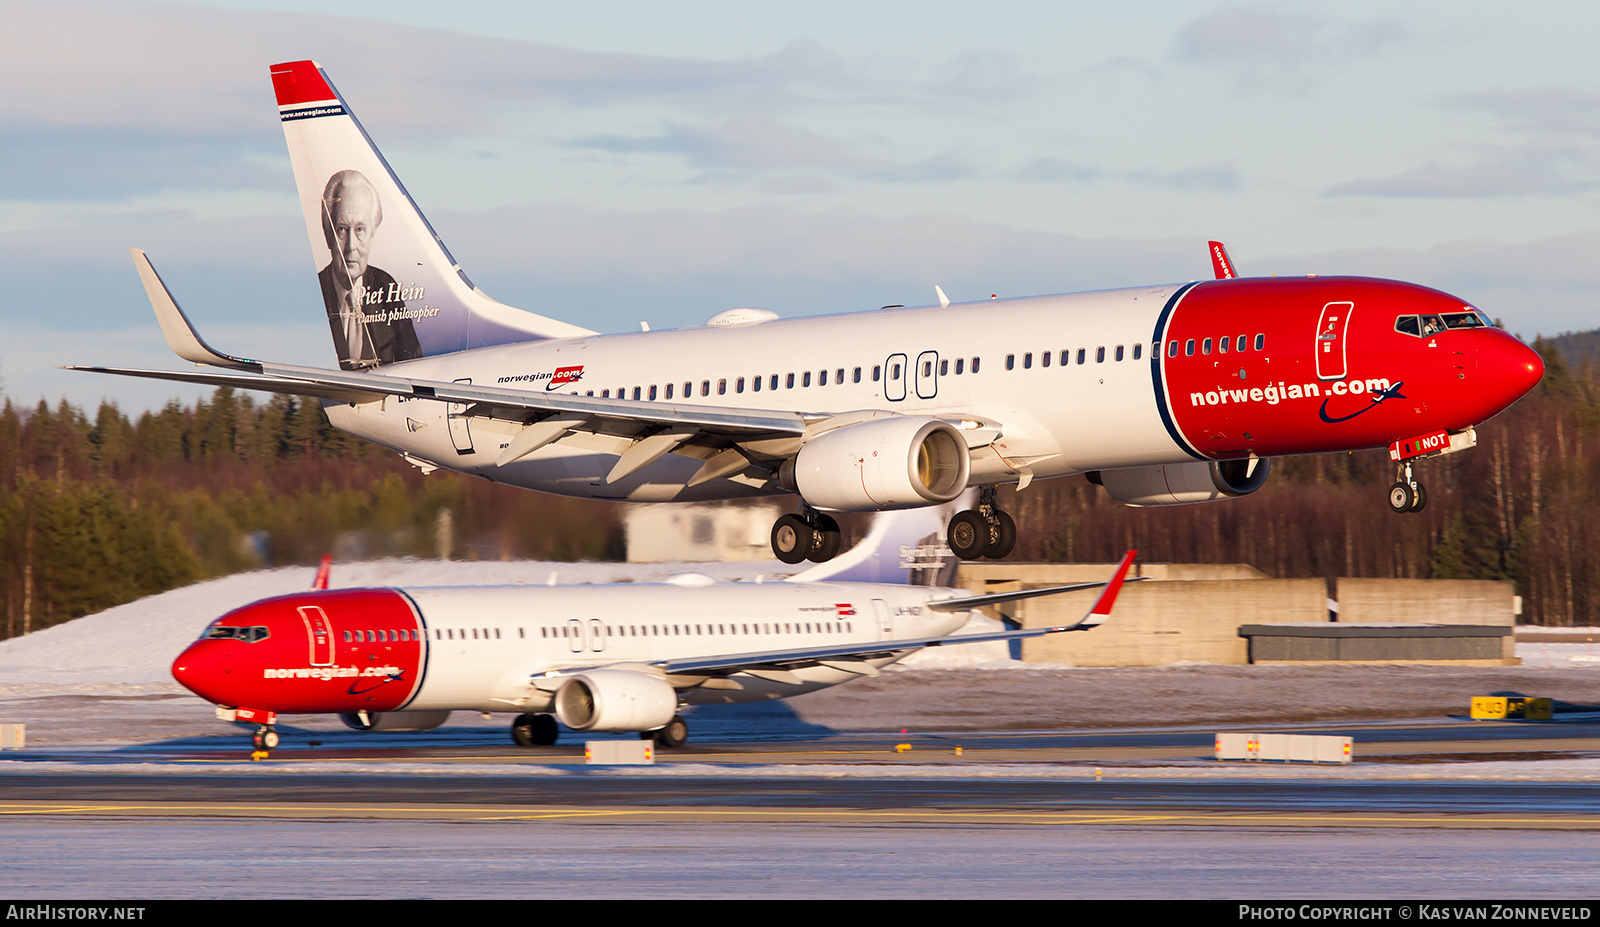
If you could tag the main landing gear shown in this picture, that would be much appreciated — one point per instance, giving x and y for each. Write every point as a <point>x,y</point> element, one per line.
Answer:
<point>534,730</point>
<point>810,535</point>
<point>671,737</point>
<point>1407,494</point>
<point>982,532</point>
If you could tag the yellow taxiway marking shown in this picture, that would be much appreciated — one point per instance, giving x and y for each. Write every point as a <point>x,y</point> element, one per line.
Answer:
<point>805,815</point>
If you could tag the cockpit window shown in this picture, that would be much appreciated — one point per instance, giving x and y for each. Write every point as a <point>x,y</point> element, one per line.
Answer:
<point>228,632</point>
<point>1424,326</point>
<point>1468,319</point>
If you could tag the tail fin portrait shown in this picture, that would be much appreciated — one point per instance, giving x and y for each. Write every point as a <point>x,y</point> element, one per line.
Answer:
<point>391,289</point>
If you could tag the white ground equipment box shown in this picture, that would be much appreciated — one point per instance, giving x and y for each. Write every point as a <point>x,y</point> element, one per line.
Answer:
<point>1303,748</point>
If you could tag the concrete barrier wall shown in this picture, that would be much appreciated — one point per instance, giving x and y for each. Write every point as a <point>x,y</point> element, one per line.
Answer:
<point>1194,611</point>
<point>1167,622</point>
<point>1429,601</point>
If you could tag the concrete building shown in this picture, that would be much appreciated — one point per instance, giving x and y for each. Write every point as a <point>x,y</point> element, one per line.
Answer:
<point>730,531</point>
<point>1233,613</point>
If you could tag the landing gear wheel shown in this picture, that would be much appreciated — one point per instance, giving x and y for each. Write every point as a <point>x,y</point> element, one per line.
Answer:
<point>828,540</point>
<point>792,538</point>
<point>1401,498</point>
<point>968,535</point>
<point>674,735</point>
<point>1422,497</point>
<point>265,739</point>
<point>1003,538</point>
<point>534,730</point>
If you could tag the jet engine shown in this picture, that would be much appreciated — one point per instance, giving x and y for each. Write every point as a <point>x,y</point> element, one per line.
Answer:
<point>395,720</point>
<point>903,462</point>
<point>1178,484</point>
<point>615,700</point>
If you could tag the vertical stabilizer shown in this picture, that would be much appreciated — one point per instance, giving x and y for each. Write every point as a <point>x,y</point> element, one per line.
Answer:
<point>390,287</point>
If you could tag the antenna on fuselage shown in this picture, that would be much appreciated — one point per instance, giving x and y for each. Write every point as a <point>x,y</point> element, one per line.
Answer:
<point>943,299</point>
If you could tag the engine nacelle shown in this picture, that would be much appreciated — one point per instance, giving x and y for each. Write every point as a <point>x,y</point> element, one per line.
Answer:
<point>615,700</point>
<point>903,462</point>
<point>395,720</point>
<point>1179,484</point>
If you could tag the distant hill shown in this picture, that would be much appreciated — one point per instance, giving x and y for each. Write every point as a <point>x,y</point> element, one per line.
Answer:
<point>1577,347</point>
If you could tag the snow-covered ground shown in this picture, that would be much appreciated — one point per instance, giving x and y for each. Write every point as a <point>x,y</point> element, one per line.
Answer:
<point>103,680</point>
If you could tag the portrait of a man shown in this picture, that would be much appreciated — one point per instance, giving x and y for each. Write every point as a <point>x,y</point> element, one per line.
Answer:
<point>360,298</point>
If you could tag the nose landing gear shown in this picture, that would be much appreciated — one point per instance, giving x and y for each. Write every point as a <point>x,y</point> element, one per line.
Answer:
<point>266,738</point>
<point>809,535</point>
<point>982,532</point>
<point>1407,494</point>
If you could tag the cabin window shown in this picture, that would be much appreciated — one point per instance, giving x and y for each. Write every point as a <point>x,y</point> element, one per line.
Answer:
<point>1027,361</point>
<point>755,384</point>
<point>738,385</point>
<point>838,377</point>
<point>944,368</point>
<point>1100,354</point>
<point>959,362</point>
<point>1136,350</point>
<point>652,392</point>
<point>1244,342</point>
<point>1083,356</point>
<point>822,378</point>
<point>788,381</point>
<point>877,371</point>
<point>975,365</point>
<point>1188,348</point>
<point>1261,342</point>
<point>856,377</point>
<point>605,394</point>
<point>1044,359</point>
<point>1119,352</point>
<point>688,389</point>
<point>1205,346</point>
<point>669,390</point>
<point>805,379</point>
<point>894,371</point>
<point>1172,349</point>
<point>636,392</point>
<point>1222,345</point>
<point>722,387</point>
<point>1011,361</point>
<point>1066,357</point>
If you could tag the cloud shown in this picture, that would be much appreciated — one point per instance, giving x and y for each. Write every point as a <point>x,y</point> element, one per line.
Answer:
<point>1223,178</point>
<point>1523,170</point>
<point>1271,50</point>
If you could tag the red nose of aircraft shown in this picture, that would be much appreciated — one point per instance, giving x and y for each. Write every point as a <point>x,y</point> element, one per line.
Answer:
<point>345,650</point>
<point>1508,367</point>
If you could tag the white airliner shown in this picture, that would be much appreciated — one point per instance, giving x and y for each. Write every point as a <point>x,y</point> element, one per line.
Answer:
<point>618,657</point>
<point>1163,394</point>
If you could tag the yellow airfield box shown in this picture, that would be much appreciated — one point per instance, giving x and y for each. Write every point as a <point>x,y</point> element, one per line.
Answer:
<point>1493,707</point>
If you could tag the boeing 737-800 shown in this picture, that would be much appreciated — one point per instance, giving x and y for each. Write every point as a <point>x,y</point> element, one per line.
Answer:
<point>599,658</point>
<point>1164,394</point>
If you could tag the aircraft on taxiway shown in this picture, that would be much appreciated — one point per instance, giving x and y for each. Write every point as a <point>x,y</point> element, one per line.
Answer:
<point>1164,394</point>
<point>620,657</point>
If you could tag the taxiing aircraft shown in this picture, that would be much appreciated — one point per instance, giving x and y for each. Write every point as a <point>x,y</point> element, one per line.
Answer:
<point>613,658</point>
<point>1164,394</point>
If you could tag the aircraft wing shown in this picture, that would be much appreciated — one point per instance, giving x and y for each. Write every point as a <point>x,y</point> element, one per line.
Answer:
<point>776,663</point>
<point>553,415</point>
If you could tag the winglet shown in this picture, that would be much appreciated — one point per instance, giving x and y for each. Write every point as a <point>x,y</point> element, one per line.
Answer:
<point>1221,265</point>
<point>181,336</point>
<point>1101,609</point>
